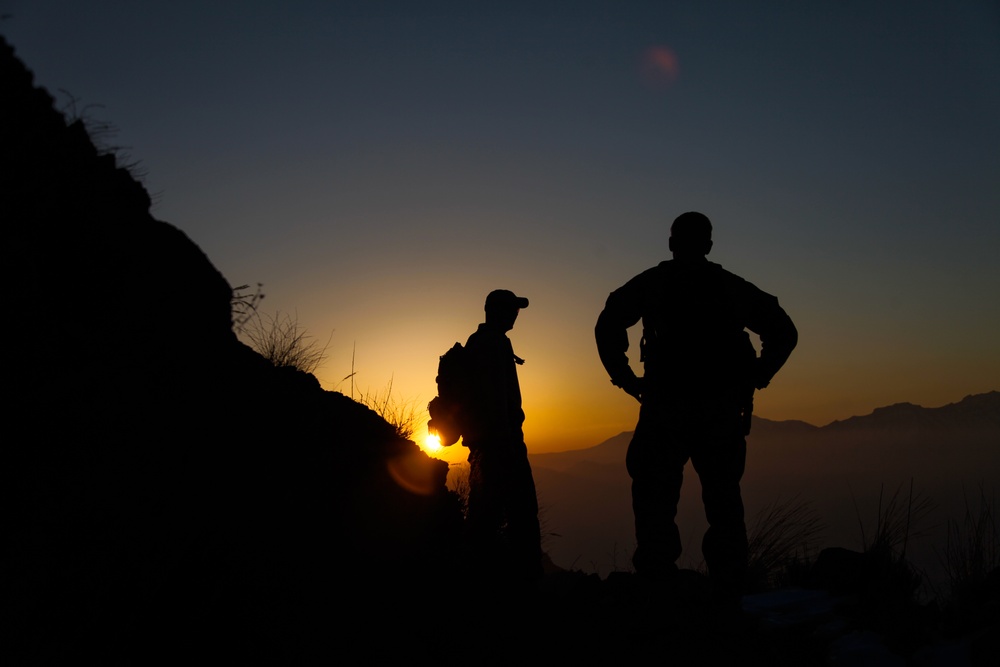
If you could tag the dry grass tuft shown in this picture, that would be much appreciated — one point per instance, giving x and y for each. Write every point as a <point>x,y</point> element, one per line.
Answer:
<point>972,550</point>
<point>281,340</point>
<point>896,524</point>
<point>403,415</point>
<point>781,536</point>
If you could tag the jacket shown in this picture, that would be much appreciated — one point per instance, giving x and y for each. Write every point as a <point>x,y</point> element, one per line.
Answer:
<point>694,315</point>
<point>493,409</point>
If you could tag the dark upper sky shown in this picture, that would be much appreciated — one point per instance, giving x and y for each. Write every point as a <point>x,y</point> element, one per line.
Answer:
<point>381,166</point>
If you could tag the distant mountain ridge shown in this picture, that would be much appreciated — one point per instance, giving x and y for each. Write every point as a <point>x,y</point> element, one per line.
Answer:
<point>973,410</point>
<point>945,451</point>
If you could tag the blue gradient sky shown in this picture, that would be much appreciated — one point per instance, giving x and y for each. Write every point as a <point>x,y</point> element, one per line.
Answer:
<point>381,166</point>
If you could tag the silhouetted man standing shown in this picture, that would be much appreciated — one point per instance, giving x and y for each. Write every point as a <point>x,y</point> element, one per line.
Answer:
<point>696,395</point>
<point>503,506</point>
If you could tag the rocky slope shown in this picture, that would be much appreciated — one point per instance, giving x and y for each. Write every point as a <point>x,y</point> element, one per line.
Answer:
<point>166,487</point>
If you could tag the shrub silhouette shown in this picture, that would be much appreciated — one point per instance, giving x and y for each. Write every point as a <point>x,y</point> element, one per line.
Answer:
<point>780,541</point>
<point>893,579</point>
<point>458,483</point>
<point>403,415</point>
<point>896,523</point>
<point>244,305</point>
<point>279,339</point>
<point>972,550</point>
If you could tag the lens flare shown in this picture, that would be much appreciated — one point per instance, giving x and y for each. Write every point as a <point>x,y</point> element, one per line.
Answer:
<point>659,66</point>
<point>415,472</point>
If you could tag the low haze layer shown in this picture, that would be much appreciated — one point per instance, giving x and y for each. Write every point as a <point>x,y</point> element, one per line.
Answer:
<point>846,473</point>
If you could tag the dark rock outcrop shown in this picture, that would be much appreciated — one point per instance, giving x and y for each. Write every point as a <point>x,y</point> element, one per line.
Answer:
<point>167,489</point>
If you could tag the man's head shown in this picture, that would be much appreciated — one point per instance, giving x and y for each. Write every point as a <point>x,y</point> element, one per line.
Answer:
<point>691,235</point>
<point>502,307</point>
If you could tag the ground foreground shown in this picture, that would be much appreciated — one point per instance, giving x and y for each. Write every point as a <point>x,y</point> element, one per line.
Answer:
<point>577,618</point>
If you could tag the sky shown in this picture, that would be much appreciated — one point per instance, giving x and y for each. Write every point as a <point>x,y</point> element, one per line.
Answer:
<point>379,167</point>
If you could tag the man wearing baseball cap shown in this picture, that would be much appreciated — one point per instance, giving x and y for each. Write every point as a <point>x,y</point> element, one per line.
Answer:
<point>503,507</point>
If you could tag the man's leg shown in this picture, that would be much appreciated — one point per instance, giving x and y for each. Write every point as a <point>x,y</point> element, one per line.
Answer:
<point>485,510</point>
<point>502,517</point>
<point>521,502</point>
<point>655,462</point>
<point>720,461</point>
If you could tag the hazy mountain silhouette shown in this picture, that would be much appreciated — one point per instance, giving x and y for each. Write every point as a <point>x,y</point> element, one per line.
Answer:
<point>839,469</point>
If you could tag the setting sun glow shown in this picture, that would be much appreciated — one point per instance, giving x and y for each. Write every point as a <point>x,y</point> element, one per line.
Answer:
<point>432,443</point>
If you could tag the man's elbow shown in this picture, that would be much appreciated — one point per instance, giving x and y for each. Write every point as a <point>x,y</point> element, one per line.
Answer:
<point>604,329</point>
<point>793,336</point>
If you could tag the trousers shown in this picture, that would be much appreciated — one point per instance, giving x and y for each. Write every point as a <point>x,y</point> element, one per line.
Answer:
<point>502,513</point>
<point>667,435</point>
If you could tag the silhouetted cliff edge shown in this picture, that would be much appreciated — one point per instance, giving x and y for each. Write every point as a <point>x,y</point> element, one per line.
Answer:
<point>168,489</point>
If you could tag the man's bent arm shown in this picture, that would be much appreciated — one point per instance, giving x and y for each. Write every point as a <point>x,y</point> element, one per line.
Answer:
<point>778,337</point>
<point>611,333</point>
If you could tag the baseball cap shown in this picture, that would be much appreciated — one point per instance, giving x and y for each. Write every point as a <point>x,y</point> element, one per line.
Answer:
<point>502,298</point>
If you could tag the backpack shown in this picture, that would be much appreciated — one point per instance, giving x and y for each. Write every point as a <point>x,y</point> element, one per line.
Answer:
<point>446,408</point>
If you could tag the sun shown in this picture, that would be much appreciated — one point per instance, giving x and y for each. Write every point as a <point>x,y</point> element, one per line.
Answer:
<point>432,443</point>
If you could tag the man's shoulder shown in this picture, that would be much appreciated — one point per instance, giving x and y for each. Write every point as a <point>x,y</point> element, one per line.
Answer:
<point>485,338</point>
<point>726,275</point>
<point>644,277</point>
<point>703,275</point>
<point>474,340</point>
